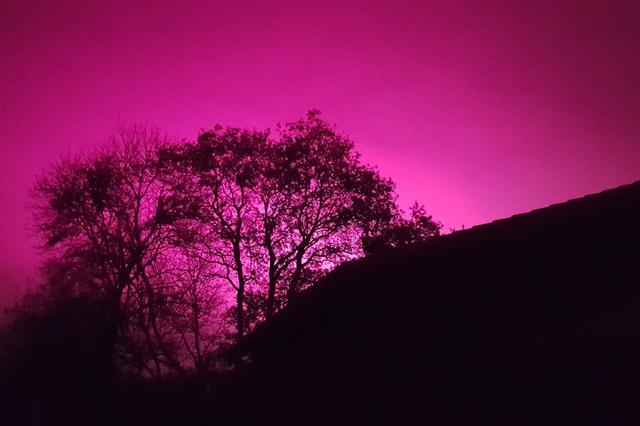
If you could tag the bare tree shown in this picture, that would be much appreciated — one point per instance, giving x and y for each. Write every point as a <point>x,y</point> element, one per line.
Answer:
<point>101,212</point>
<point>224,166</point>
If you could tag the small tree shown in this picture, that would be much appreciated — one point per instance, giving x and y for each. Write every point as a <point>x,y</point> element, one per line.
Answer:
<point>403,231</point>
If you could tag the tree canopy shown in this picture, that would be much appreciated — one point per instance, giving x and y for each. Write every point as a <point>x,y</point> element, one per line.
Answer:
<point>188,245</point>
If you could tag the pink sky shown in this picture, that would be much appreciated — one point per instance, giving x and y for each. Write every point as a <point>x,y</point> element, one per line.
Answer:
<point>478,111</point>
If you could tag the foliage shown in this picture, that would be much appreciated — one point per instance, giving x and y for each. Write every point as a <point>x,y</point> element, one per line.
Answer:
<point>182,248</point>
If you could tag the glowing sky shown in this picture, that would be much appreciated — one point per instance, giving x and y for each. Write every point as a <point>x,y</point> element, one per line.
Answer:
<point>478,111</point>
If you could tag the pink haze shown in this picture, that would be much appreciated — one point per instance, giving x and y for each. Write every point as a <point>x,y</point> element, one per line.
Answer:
<point>478,111</point>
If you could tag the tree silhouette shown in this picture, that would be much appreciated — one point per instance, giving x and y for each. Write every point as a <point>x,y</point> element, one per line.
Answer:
<point>403,231</point>
<point>275,213</point>
<point>225,165</point>
<point>330,201</point>
<point>158,254</point>
<point>99,214</point>
<point>184,242</point>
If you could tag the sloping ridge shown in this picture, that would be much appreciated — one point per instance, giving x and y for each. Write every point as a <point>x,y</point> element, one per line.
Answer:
<point>532,319</point>
<point>606,211</point>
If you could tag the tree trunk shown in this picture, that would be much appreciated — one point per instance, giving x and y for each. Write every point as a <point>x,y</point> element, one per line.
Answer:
<point>240,293</point>
<point>271,291</point>
<point>292,291</point>
<point>271,295</point>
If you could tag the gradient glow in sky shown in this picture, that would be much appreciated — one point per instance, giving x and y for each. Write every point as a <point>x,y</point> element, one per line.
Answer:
<point>477,109</point>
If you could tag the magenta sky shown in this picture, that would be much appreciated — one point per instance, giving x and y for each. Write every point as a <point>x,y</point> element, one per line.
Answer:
<point>479,111</point>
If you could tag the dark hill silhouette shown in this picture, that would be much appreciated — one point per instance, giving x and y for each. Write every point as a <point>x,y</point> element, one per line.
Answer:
<point>534,319</point>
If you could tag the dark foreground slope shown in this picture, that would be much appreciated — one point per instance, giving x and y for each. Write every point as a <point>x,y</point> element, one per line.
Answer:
<point>534,319</point>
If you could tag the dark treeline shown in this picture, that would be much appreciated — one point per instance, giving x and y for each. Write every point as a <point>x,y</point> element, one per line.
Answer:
<point>159,255</point>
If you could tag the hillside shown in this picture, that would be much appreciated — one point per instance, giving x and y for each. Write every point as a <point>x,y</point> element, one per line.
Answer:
<point>526,320</point>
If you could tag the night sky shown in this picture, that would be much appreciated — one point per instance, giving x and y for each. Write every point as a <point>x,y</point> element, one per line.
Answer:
<point>479,110</point>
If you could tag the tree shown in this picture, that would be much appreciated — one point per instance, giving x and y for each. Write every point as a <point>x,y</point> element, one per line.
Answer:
<point>275,213</point>
<point>57,333</point>
<point>403,231</point>
<point>158,254</point>
<point>101,214</point>
<point>171,235</point>
<point>226,167</point>
<point>51,352</point>
<point>329,201</point>
<point>195,313</point>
